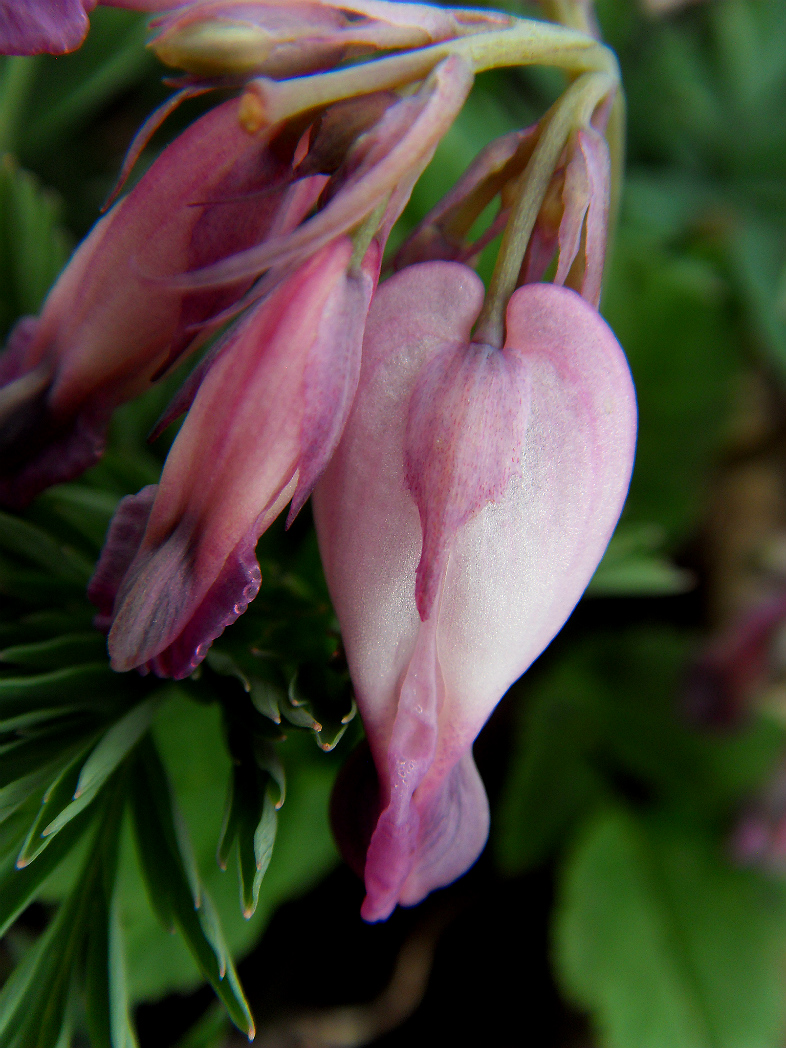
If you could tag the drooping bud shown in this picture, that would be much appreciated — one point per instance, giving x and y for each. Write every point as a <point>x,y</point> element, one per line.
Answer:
<point>106,331</point>
<point>179,564</point>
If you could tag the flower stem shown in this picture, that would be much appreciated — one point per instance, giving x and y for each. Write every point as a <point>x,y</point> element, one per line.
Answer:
<point>572,110</point>
<point>525,43</point>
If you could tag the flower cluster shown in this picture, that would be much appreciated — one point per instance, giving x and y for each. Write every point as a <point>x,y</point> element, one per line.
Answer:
<point>468,451</point>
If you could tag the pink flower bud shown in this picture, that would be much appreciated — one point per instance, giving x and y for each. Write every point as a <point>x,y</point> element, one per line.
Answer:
<point>106,329</point>
<point>179,563</point>
<point>463,514</point>
<point>292,37</point>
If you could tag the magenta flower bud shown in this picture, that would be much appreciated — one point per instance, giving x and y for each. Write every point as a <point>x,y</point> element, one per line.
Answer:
<point>179,563</point>
<point>106,329</point>
<point>463,514</point>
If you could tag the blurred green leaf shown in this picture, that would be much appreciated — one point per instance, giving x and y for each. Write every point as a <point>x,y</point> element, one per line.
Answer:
<point>666,944</point>
<point>23,539</point>
<point>56,652</point>
<point>633,566</point>
<point>173,886</point>
<point>33,245</point>
<point>72,89</point>
<point>558,733</point>
<point>671,316</point>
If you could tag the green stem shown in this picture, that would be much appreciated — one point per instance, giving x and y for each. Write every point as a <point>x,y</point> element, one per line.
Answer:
<point>572,110</point>
<point>17,80</point>
<point>525,43</point>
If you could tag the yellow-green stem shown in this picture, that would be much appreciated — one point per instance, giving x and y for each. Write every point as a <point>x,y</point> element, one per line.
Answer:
<point>572,110</point>
<point>525,43</point>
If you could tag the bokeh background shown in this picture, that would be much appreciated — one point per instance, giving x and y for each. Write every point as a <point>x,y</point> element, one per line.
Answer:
<point>633,892</point>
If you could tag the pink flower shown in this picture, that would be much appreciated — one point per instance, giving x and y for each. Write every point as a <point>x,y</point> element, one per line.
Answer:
<point>463,514</point>
<point>106,330</point>
<point>179,562</point>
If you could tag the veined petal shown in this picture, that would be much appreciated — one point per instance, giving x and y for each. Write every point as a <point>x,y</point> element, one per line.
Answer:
<point>467,416</point>
<point>518,541</point>
<point>332,372</point>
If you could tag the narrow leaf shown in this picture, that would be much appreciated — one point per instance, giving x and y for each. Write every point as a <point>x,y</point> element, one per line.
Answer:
<point>115,745</point>
<point>18,888</point>
<point>57,652</point>
<point>174,892</point>
<point>27,540</point>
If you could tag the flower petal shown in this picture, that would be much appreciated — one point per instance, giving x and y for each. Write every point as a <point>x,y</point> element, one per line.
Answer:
<point>33,27</point>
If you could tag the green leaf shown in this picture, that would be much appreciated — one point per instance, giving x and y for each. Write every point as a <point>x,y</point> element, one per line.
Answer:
<point>666,944</point>
<point>36,545</point>
<point>86,509</point>
<point>33,246</point>
<point>172,883</point>
<point>632,566</point>
<point>120,1023</point>
<point>40,1006</point>
<point>76,87</point>
<point>684,382</point>
<point>757,257</point>
<point>90,686</point>
<point>56,652</point>
<point>106,996</point>
<point>267,698</point>
<point>24,981</point>
<point>16,77</point>
<point>21,790</point>
<point>211,1031</point>
<point>52,744</point>
<point>18,888</point>
<point>115,746</point>
<point>56,799</point>
<point>558,733</point>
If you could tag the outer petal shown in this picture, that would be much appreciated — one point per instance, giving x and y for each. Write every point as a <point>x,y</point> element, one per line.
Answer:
<point>585,198</point>
<point>32,27</point>
<point>516,566</point>
<point>232,468</point>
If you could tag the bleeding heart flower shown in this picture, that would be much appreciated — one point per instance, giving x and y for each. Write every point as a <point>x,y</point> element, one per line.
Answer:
<point>463,514</point>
